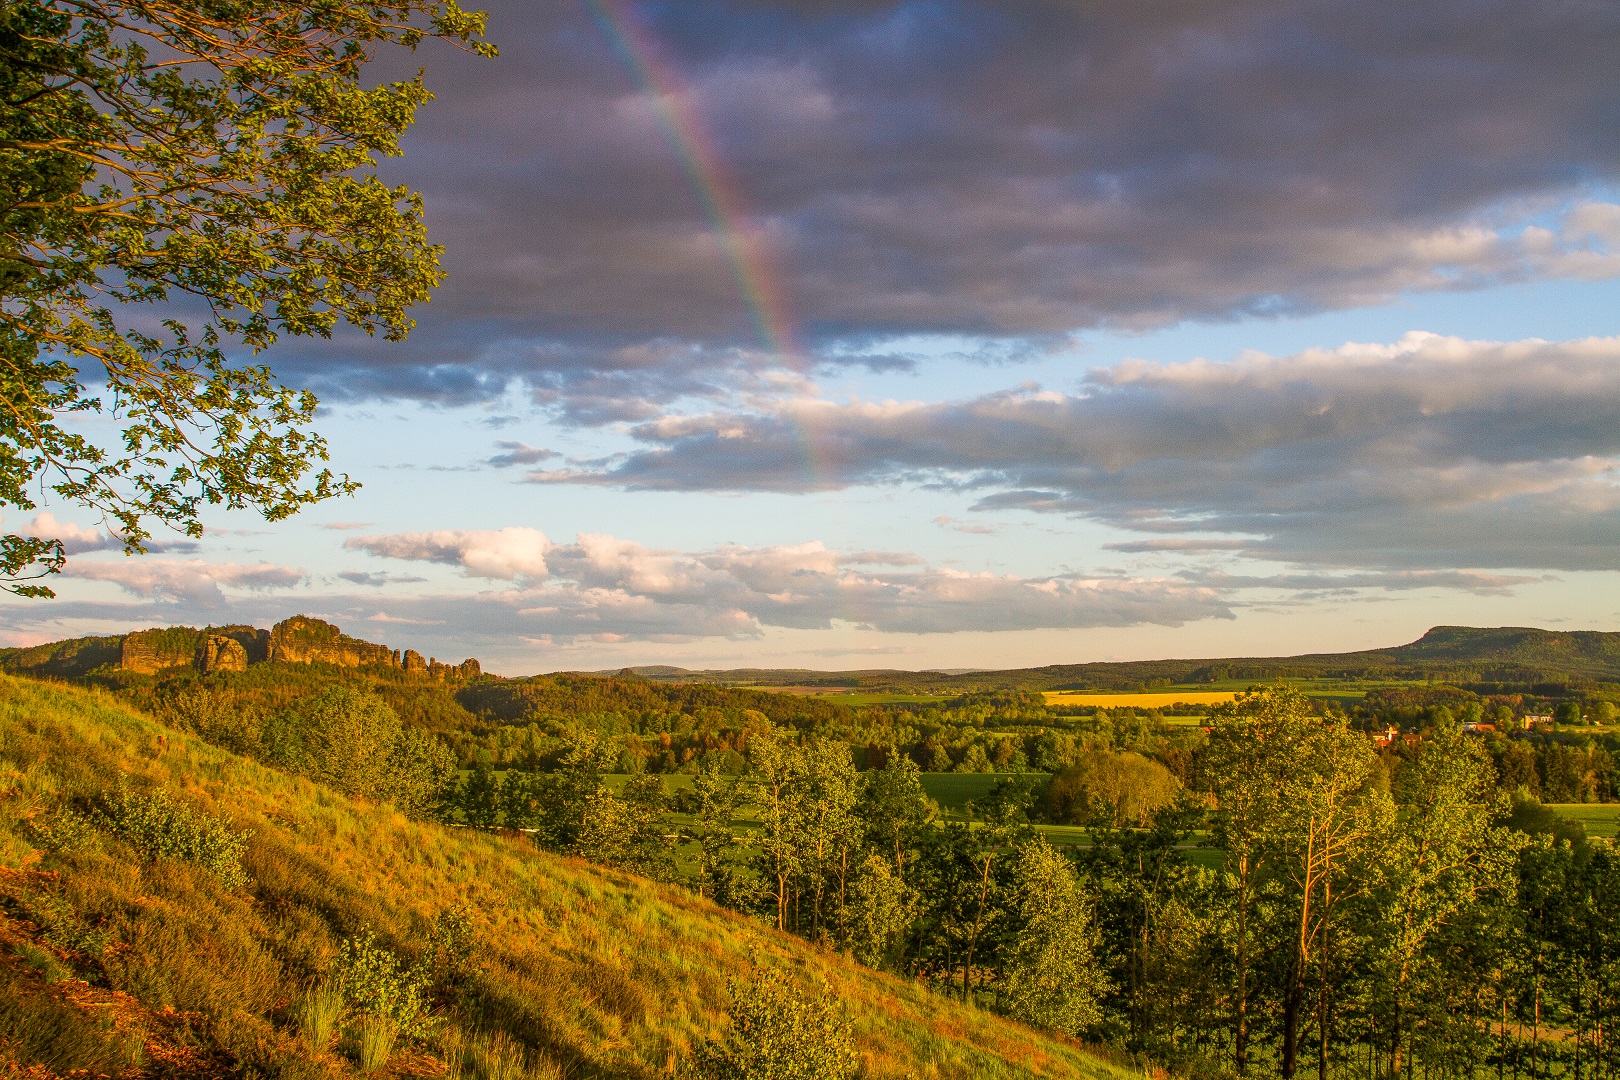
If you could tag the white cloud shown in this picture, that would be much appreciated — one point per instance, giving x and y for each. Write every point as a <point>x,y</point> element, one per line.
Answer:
<point>504,554</point>
<point>76,539</point>
<point>189,580</point>
<point>605,584</point>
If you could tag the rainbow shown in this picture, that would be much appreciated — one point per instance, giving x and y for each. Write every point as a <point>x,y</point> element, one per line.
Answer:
<point>715,190</point>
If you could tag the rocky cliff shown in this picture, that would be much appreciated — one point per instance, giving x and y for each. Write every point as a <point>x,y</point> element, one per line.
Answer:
<point>213,648</point>
<point>303,640</point>
<point>298,640</point>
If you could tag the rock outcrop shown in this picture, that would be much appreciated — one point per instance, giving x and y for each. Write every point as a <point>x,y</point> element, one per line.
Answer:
<point>303,640</point>
<point>213,648</point>
<point>468,669</point>
<point>221,654</point>
<point>147,652</point>
<point>298,640</point>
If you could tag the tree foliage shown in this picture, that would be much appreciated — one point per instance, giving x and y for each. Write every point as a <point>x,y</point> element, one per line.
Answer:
<point>779,1032</point>
<point>180,182</point>
<point>1052,979</point>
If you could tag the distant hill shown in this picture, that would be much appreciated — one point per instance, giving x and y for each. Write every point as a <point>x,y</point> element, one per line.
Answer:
<point>1508,655</point>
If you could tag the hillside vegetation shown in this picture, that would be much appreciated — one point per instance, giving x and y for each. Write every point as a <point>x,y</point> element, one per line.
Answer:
<point>168,908</point>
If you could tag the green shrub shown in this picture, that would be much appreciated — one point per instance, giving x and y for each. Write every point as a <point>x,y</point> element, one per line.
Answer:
<point>375,983</point>
<point>319,1013</point>
<point>342,737</point>
<point>778,1032</point>
<point>159,827</point>
<point>64,830</point>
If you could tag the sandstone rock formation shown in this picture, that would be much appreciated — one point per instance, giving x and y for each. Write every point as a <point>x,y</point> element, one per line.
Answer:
<point>298,640</point>
<point>303,640</point>
<point>468,669</point>
<point>147,652</point>
<point>214,648</point>
<point>221,654</point>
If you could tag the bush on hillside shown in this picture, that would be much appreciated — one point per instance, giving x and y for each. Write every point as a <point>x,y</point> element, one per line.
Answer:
<point>377,985</point>
<point>158,827</point>
<point>353,741</point>
<point>342,738</point>
<point>778,1032</point>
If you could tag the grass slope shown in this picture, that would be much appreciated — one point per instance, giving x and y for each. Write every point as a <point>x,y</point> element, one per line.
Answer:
<point>118,964</point>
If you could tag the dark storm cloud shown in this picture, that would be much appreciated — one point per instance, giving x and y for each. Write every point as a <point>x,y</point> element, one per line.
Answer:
<point>1010,170</point>
<point>1431,452</point>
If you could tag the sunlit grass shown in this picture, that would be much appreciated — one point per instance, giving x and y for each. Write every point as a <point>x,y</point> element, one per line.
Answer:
<point>589,970</point>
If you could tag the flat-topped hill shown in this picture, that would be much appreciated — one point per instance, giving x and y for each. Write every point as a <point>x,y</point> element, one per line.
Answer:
<point>1455,653</point>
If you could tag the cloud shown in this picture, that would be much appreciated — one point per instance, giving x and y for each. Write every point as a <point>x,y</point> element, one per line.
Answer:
<point>602,583</point>
<point>517,453</point>
<point>1430,452</point>
<point>346,526</point>
<point>378,579</point>
<point>76,539</point>
<point>945,521</point>
<point>602,589</point>
<point>1182,546</point>
<point>191,581</point>
<point>1009,172</point>
<point>80,540</point>
<point>504,554</point>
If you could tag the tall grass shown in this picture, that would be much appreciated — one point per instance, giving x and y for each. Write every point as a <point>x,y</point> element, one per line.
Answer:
<point>374,1038</point>
<point>40,1028</point>
<point>319,1013</point>
<point>575,967</point>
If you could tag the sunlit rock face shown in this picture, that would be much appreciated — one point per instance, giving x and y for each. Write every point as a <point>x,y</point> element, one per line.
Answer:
<point>303,640</point>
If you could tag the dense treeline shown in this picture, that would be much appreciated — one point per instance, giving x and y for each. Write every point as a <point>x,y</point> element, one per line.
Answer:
<point>1314,905</point>
<point>645,727</point>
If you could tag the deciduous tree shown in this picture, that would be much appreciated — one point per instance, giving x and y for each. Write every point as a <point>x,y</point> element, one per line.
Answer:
<point>180,184</point>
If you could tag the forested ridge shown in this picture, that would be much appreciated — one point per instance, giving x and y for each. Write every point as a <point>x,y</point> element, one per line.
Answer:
<point>1517,656</point>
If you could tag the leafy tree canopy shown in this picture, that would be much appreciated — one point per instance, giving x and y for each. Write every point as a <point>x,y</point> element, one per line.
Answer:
<point>211,162</point>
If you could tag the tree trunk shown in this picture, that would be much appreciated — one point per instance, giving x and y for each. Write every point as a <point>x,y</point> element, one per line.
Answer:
<point>1322,1008</point>
<point>978,925</point>
<point>1293,997</point>
<point>1241,1035</point>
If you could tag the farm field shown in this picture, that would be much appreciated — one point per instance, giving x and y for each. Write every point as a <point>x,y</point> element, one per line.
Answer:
<point>1151,699</point>
<point>953,791</point>
<point>1600,819</point>
<point>854,698</point>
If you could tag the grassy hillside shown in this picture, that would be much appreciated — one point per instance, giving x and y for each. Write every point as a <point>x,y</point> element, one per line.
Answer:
<point>128,964</point>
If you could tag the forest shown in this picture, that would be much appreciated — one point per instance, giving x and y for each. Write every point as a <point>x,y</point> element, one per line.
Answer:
<point>1266,891</point>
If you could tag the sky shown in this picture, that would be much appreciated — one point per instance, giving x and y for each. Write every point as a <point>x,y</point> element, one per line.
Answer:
<point>851,334</point>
